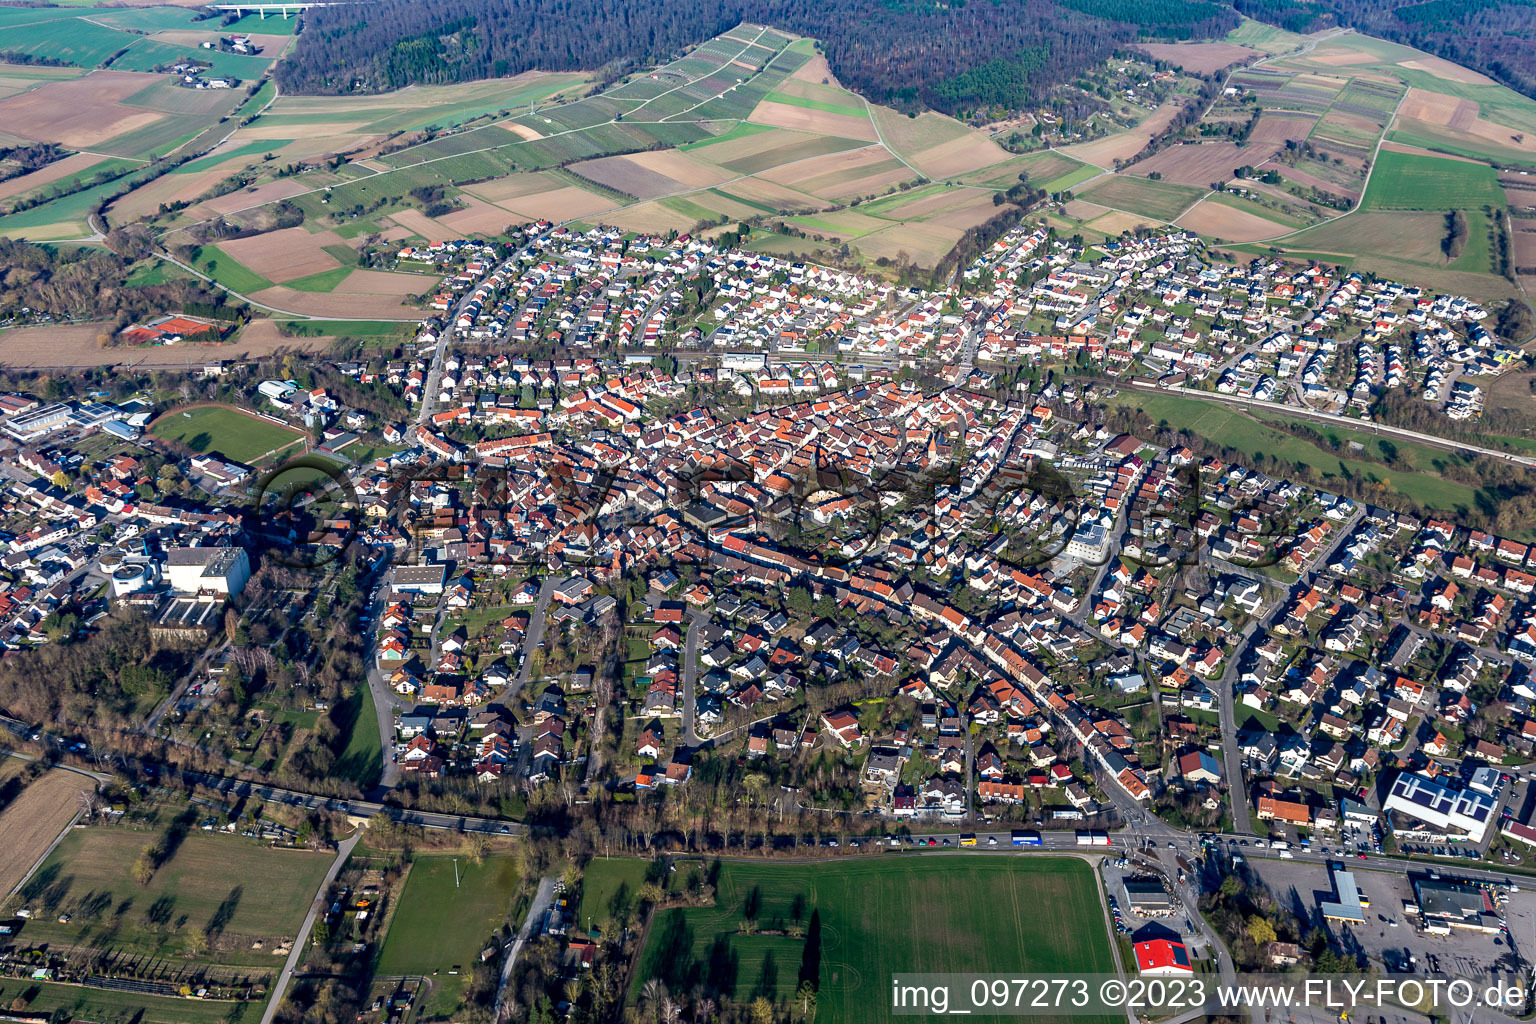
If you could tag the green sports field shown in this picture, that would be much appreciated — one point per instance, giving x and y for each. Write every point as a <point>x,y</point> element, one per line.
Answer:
<point>878,916</point>
<point>235,435</point>
<point>444,919</point>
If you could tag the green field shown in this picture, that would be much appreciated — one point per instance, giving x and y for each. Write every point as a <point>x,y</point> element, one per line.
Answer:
<point>68,39</point>
<point>363,758</point>
<point>388,330</point>
<point>325,281</point>
<point>224,429</point>
<point>1408,181</point>
<point>101,1006</point>
<point>260,146</point>
<point>248,891</point>
<point>1160,199</point>
<point>1258,209</point>
<point>1228,426</point>
<point>1428,136</point>
<point>228,271</point>
<point>878,915</point>
<point>603,879</point>
<point>271,25</point>
<point>443,921</point>
<point>741,131</point>
<point>68,213</point>
<point>147,19</point>
<point>1268,38</point>
<point>814,104</point>
<point>1070,179</point>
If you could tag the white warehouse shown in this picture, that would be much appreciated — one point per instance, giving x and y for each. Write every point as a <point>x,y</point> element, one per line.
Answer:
<point>214,569</point>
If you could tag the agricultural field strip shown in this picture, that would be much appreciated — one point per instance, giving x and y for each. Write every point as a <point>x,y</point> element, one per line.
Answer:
<point>1311,44</point>
<point>881,140</point>
<point>508,145</point>
<point>611,120</point>
<point>1375,153</point>
<point>1364,185</point>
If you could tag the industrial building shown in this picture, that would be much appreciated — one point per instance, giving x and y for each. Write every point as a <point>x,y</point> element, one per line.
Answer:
<point>1453,812</point>
<point>1147,897</point>
<point>419,579</point>
<point>215,569</point>
<point>1445,904</point>
<point>38,423</point>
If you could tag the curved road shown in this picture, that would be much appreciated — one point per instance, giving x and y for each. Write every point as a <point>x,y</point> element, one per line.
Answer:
<point>286,312</point>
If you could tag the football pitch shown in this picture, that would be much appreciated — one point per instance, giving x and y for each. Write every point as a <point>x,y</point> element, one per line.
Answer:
<point>234,434</point>
<point>879,916</point>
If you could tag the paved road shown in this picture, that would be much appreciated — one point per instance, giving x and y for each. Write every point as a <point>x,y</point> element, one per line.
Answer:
<point>690,678</point>
<point>541,901</point>
<point>274,309</point>
<point>534,637</point>
<point>1226,695</point>
<point>435,373</point>
<point>301,941</point>
<point>1237,785</point>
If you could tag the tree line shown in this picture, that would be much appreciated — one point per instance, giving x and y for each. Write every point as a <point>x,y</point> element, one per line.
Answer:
<point>955,58</point>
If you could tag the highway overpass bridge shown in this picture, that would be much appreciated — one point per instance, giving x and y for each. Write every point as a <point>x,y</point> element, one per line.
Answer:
<point>287,10</point>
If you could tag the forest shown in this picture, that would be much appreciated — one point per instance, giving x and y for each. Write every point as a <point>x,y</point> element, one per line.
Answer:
<point>89,282</point>
<point>952,57</point>
<point>1491,36</point>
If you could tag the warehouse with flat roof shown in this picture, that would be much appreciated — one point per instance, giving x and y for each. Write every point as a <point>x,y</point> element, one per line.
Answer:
<point>1445,904</point>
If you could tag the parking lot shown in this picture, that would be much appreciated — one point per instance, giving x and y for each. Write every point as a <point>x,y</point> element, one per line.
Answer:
<point>1391,937</point>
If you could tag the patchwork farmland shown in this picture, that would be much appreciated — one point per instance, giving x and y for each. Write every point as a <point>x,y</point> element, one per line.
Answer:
<point>749,124</point>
